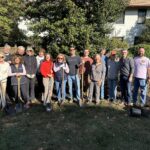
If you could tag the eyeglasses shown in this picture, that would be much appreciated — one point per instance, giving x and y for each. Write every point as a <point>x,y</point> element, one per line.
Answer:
<point>30,51</point>
<point>60,58</point>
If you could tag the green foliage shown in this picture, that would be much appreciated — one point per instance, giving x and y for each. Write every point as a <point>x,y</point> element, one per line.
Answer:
<point>10,13</point>
<point>134,50</point>
<point>145,36</point>
<point>84,24</point>
<point>115,44</point>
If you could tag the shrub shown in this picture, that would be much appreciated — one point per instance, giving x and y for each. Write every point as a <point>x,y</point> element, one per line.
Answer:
<point>133,50</point>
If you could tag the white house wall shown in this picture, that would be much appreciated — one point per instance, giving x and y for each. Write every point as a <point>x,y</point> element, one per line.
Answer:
<point>130,29</point>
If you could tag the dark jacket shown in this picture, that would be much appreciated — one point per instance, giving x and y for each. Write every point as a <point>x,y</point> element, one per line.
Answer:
<point>30,64</point>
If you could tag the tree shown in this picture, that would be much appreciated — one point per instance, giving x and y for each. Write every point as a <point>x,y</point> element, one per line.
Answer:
<point>10,13</point>
<point>63,23</point>
<point>145,35</point>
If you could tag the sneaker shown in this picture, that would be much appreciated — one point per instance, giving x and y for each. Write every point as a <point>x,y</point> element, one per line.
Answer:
<point>48,108</point>
<point>80,103</point>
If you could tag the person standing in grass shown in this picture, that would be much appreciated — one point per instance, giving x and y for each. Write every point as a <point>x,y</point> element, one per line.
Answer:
<point>4,69</point>
<point>17,73</point>
<point>39,77</point>
<point>104,61</point>
<point>126,76</point>
<point>97,76</point>
<point>61,70</point>
<point>31,68</point>
<point>85,69</point>
<point>74,62</point>
<point>47,72</point>
<point>113,66</point>
<point>141,76</point>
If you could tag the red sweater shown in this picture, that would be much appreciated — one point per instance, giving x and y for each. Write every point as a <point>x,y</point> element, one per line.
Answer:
<point>47,68</point>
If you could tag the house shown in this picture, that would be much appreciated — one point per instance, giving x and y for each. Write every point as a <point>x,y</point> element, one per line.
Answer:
<point>131,23</point>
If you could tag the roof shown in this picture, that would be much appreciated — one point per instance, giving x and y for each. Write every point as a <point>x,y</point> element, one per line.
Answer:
<point>139,3</point>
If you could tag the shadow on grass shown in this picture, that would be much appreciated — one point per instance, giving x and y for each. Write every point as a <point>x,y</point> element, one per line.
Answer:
<point>69,127</point>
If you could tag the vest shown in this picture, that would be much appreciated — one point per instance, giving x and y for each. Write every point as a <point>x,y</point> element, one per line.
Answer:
<point>14,80</point>
<point>59,74</point>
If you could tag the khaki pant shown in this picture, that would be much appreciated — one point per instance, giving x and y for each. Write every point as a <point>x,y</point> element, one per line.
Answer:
<point>48,89</point>
<point>3,94</point>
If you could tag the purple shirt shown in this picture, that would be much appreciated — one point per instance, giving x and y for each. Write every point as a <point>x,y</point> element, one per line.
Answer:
<point>141,66</point>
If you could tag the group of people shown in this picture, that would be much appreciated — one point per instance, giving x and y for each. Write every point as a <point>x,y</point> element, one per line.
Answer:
<point>85,77</point>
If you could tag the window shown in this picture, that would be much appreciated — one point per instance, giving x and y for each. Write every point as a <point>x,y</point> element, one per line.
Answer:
<point>136,40</point>
<point>121,19</point>
<point>141,16</point>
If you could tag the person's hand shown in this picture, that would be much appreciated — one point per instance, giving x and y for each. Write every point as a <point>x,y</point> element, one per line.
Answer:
<point>83,62</point>
<point>18,74</point>
<point>149,81</point>
<point>99,83</point>
<point>49,75</point>
<point>130,79</point>
<point>62,66</point>
<point>9,62</point>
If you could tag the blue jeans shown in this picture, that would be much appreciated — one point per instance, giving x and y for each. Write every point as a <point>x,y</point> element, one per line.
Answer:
<point>112,85</point>
<point>74,79</point>
<point>140,83</point>
<point>102,90</point>
<point>61,95</point>
<point>125,86</point>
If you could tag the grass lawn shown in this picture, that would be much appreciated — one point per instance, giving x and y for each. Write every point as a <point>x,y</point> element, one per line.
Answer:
<point>104,127</point>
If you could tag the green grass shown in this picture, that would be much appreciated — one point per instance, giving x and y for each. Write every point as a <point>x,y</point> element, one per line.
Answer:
<point>104,127</point>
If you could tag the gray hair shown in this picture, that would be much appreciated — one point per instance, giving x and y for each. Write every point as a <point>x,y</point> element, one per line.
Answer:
<point>21,47</point>
<point>7,46</point>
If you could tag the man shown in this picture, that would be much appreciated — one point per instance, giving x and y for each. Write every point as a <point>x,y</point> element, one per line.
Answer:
<point>31,68</point>
<point>104,60</point>
<point>142,68</point>
<point>85,69</point>
<point>20,51</point>
<point>73,77</point>
<point>8,59</point>
<point>7,54</point>
<point>113,66</point>
<point>126,76</point>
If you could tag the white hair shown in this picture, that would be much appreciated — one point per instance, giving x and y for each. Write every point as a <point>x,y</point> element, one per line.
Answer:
<point>21,47</point>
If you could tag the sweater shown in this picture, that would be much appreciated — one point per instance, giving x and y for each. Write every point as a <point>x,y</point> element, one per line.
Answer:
<point>98,72</point>
<point>113,69</point>
<point>46,68</point>
<point>4,69</point>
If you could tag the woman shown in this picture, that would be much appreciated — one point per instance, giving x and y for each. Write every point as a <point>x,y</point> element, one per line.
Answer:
<point>19,81</point>
<point>4,68</point>
<point>112,75</point>
<point>46,70</point>
<point>97,76</point>
<point>61,70</point>
<point>40,87</point>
